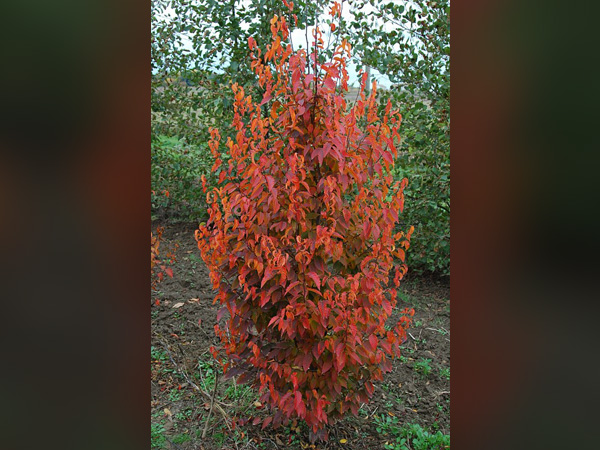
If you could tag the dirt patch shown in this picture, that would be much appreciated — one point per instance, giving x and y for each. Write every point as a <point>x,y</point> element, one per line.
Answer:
<point>417,391</point>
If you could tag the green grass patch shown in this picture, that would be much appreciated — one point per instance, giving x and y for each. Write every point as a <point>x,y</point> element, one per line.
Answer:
<point>410,436</point>
<point>157,436</point>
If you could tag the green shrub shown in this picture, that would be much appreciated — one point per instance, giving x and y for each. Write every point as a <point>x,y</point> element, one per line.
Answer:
<point>177,169</point>
<point>417,62</point>
<point>425,160</point>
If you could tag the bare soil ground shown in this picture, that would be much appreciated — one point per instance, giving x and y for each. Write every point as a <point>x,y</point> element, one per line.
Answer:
<point>417,391</point>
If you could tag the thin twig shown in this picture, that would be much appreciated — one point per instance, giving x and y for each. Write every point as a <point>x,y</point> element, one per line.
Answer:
<point>374,411</point>
<point>439,330</point>
<point>172,443</point>
<point>212,404</point>
<point>274,443</point>
<point>194,385</point>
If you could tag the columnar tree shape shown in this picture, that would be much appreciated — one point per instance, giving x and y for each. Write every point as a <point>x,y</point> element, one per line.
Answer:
<point>300,241</point>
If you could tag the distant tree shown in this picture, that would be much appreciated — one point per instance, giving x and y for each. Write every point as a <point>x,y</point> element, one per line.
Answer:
<point>409,42</point>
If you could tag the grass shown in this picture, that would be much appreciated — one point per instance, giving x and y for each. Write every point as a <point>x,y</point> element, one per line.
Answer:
<point>391,397</point>
<point>158,354</point>
<point>410,436</point>
<point>175,395</point>
<point>181,438</point>
<point>445,373</point>
<point>241,394</point>
<point>160,359</point>
<point>157,436</point>
<point>207,375</point>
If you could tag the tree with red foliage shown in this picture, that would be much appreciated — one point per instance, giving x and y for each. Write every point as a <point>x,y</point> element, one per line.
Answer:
<point>300,244</point>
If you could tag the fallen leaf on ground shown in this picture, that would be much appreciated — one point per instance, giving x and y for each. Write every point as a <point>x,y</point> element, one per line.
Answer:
<point>343,441</point>
<point>178,305</point>
<point>193,300</point>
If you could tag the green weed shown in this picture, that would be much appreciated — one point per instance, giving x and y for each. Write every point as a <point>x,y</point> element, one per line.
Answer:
<point>157,354</point>
<point>181,438</point>
<point>445,373</point>
<point>175,395</point>
<point>157,437</point>
<point>242,394</point>
<point>423,367</point>
<point>411,436</point>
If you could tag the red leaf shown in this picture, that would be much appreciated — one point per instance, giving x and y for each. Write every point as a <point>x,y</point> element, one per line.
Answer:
<point>387,157</point>
<point>341,362</point>
<point>366,230</point>
<point>306,361</point>
<point>264,299</point>
<point>346,215</point>
<point>394,215</point>
<point>269,273</point>
<point>373,341</point>
<point>296,80</point>
<point>315,278</point>
<point>266,422</point>
<point>169,272</point>
<point>299,404</point>
<point>291,286</point>
<point>387,307</point>
<point>270,182</point>
<point>326,366</point>
<point>266,98</point>
<point>376,232</point>
<point>329,83</point>
<point>315,351</point>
